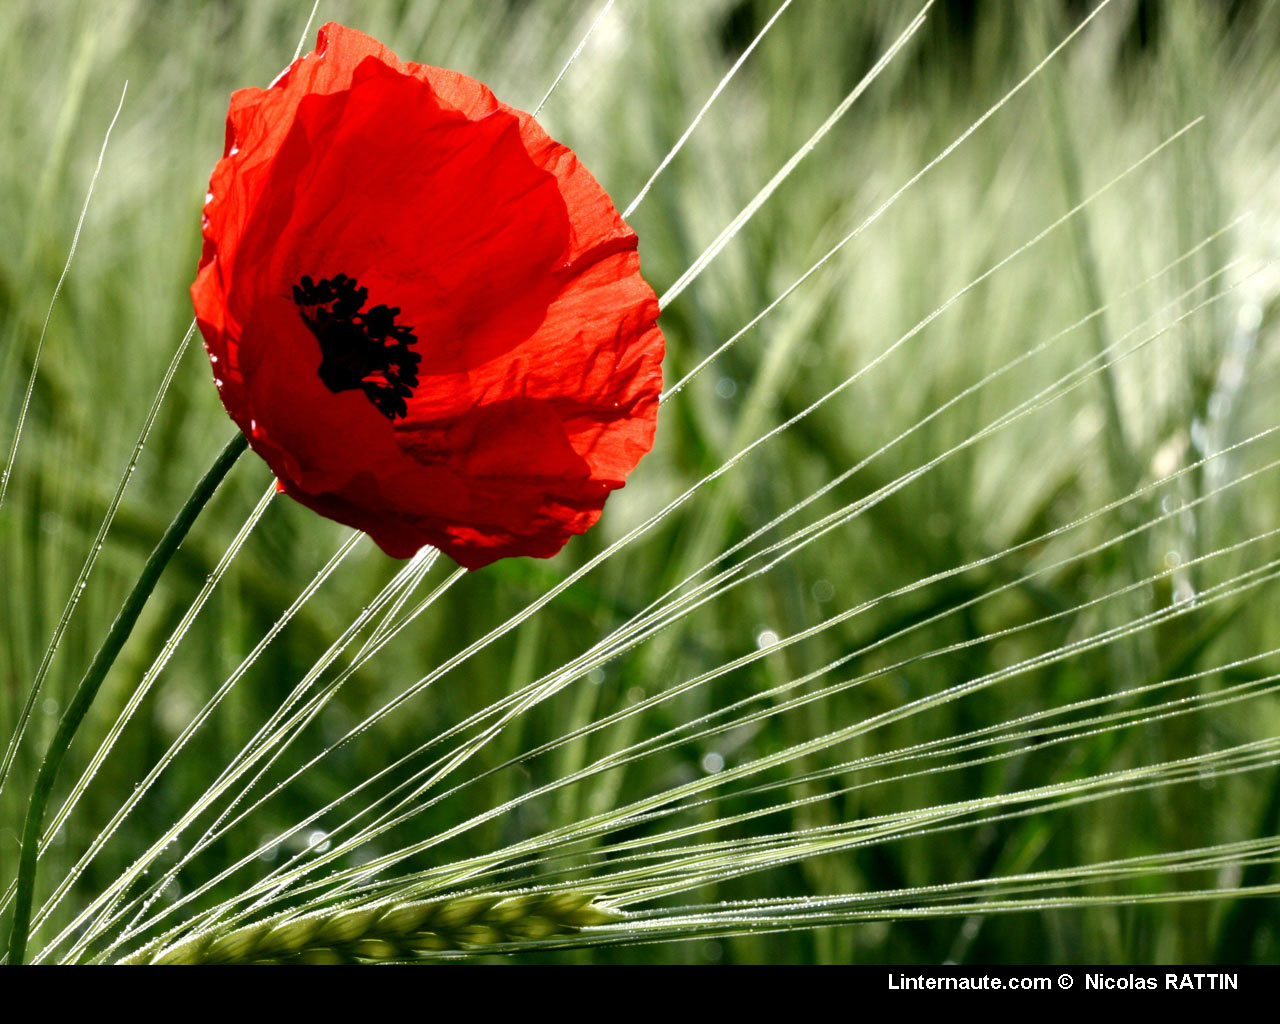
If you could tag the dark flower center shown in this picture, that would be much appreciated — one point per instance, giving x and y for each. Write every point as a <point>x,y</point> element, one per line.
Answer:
<point>359,348</point>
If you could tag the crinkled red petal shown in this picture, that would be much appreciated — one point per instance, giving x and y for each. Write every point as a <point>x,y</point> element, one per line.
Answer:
<point>540,370</point>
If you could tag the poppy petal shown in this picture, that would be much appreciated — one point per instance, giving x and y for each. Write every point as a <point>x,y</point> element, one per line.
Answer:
<point>425,313</point>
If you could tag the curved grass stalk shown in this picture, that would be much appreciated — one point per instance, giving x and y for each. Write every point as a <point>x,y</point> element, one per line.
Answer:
<point>972,389</point>
<point>702,111</point>
<point>699,870</point>
<point>648,865</point>
<point>113,505</point>
<point>266,739</point>
<point>157,666</point>
<point>201,717</point>
<point>1263,850</point>
<point>611,646</point>
<point>291,731</point>
<point>709,925</point>
<point>57,290</point>
<point>533,607</point>
<point>625,815</point>
<point>786,847</point>
<point>614,855</point>
<point>138,695</point>
<point>384,631</point>
<point>306,30</point>
<point>680,734</point>
<point>608,6</point>
<point>703,865</point>
<point>331,654</point>
<point>1232,588</point>
<point>549,686</point>
<point>95,549</point>
<point>1221,856</point>
<point>729,464</point>
<point>92,681</point>
<point>702,261</point>
<point>753,658</point>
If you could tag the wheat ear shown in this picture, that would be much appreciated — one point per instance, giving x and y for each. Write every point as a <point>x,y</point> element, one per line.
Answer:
<point>388,931</point>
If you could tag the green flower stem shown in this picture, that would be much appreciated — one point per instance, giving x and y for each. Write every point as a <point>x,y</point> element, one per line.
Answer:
<point>92,681</point>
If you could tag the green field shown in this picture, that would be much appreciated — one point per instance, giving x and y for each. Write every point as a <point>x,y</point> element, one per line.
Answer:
<point>975,659</point>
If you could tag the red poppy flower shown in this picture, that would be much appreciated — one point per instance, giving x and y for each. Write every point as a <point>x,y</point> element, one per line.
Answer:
<point>424,313</point>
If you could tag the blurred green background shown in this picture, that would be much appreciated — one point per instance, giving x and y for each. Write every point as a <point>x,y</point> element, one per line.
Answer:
<point>1140,72</point>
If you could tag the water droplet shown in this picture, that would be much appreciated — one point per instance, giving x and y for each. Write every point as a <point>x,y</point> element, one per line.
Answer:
<point>1250,317</point>
<point>1199,435</point>
<point>766,638</point>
